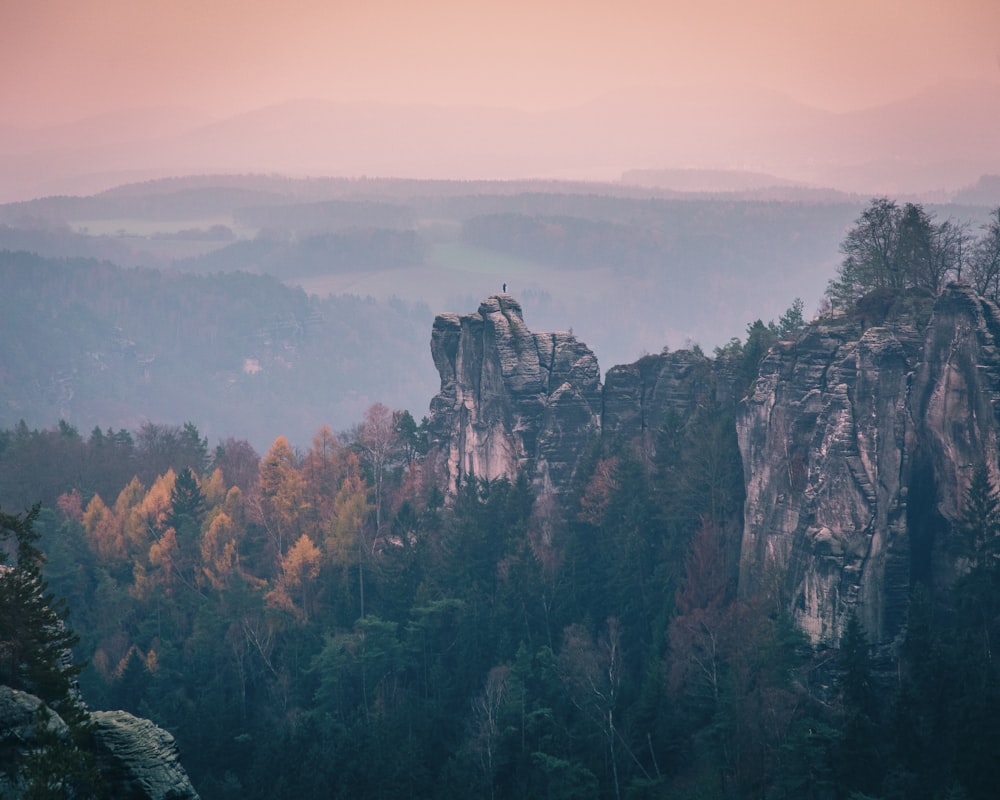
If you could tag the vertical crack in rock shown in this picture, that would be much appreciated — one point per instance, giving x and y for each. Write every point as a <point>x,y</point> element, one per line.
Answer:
<point>873,432</point>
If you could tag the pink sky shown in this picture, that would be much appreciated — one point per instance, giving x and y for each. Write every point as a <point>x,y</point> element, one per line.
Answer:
<point>65,59</point>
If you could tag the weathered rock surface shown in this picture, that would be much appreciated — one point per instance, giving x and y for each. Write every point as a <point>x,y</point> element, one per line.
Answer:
<point>22,717</point>
<point>136,759</point>
<point>857,448</point>
<point>858,441</point>
<point>640,398</point>
<point>139,760</point>
<point>511,399</point>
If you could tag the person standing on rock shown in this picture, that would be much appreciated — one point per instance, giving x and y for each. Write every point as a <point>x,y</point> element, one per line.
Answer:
<point>505,288</point>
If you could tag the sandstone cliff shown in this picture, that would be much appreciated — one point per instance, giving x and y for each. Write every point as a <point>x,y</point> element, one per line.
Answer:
<point>857,439</point>
<point>515,400</point>
<point>857,448</point>
<point>511,399</point>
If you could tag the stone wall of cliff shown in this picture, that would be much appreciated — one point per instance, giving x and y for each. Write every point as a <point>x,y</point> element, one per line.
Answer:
<point>857,448</point>
<point>515,400</point>
<point>511,399</point>
<point>857,439</point>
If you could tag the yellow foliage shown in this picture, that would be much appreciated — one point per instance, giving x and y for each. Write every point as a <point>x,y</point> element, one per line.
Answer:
<point>278,598</point>
<point>213,488</point>
<point>351,510</point>
<point>142,583</point>
<point>162,556</point>
<point>299,568</point>
<point>282,494</point>
<point>322,470</point>
<point>127,509</point>
<point>103,531</point>
<point>301,563</point>
<point>155,507</point>
<point>123,663</point>
<point>218,550</point>
<point>233,505</point>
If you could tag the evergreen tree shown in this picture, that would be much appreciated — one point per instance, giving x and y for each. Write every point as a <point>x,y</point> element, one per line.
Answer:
<point>35,657</point>
<point>858,760</point>
<point>35,643</point>
<point>978,533</point>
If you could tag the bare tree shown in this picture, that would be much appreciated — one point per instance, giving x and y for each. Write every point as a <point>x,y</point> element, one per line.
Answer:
<point>984,262</point>
<point>378,444</point>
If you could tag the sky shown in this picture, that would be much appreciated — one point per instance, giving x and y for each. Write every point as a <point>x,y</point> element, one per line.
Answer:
<point>63,60</point>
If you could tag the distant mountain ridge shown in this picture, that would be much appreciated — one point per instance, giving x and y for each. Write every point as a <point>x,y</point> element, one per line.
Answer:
<point>941,140</point>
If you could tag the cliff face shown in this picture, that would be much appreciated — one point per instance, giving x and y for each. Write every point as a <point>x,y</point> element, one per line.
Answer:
<point>857,442</point>
<point>857,449</point>
<point>640,399</point>
<point>511,399</point>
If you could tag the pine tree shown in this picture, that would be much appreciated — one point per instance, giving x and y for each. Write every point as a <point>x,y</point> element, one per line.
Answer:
<point>35,657</point>
<point>35,642</point>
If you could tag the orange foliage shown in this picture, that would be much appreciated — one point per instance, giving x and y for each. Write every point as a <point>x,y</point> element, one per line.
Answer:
<point>71,505</point>
<point>598,493</point>
<point>219,553</point>
<point>281,495</point>
<point>299,568</point>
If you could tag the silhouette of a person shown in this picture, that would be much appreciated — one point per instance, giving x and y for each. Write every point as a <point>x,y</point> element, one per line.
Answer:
<point>505,288</point>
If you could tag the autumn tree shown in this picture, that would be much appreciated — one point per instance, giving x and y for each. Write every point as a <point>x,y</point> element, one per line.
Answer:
<point>379,446</point>
<point>323,469</point>
<point>219,551</point>
<point>280,497</point>
<point>299,570</point>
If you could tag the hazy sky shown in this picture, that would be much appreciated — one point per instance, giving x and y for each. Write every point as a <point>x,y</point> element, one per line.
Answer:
<point>65,59</point>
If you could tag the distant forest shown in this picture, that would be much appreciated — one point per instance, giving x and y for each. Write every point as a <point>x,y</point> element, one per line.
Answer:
<point>91,342</point>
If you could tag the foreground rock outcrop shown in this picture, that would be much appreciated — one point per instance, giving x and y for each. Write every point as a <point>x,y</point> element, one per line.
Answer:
<point>135,759</point>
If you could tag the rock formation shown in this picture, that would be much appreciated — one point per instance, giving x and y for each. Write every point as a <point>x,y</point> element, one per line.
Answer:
<point>639,398</point>
<point>136,759</point>
<point>511,399</point>
<point>23,718</point>
<point>857,439</point>
<point>857,449</point>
